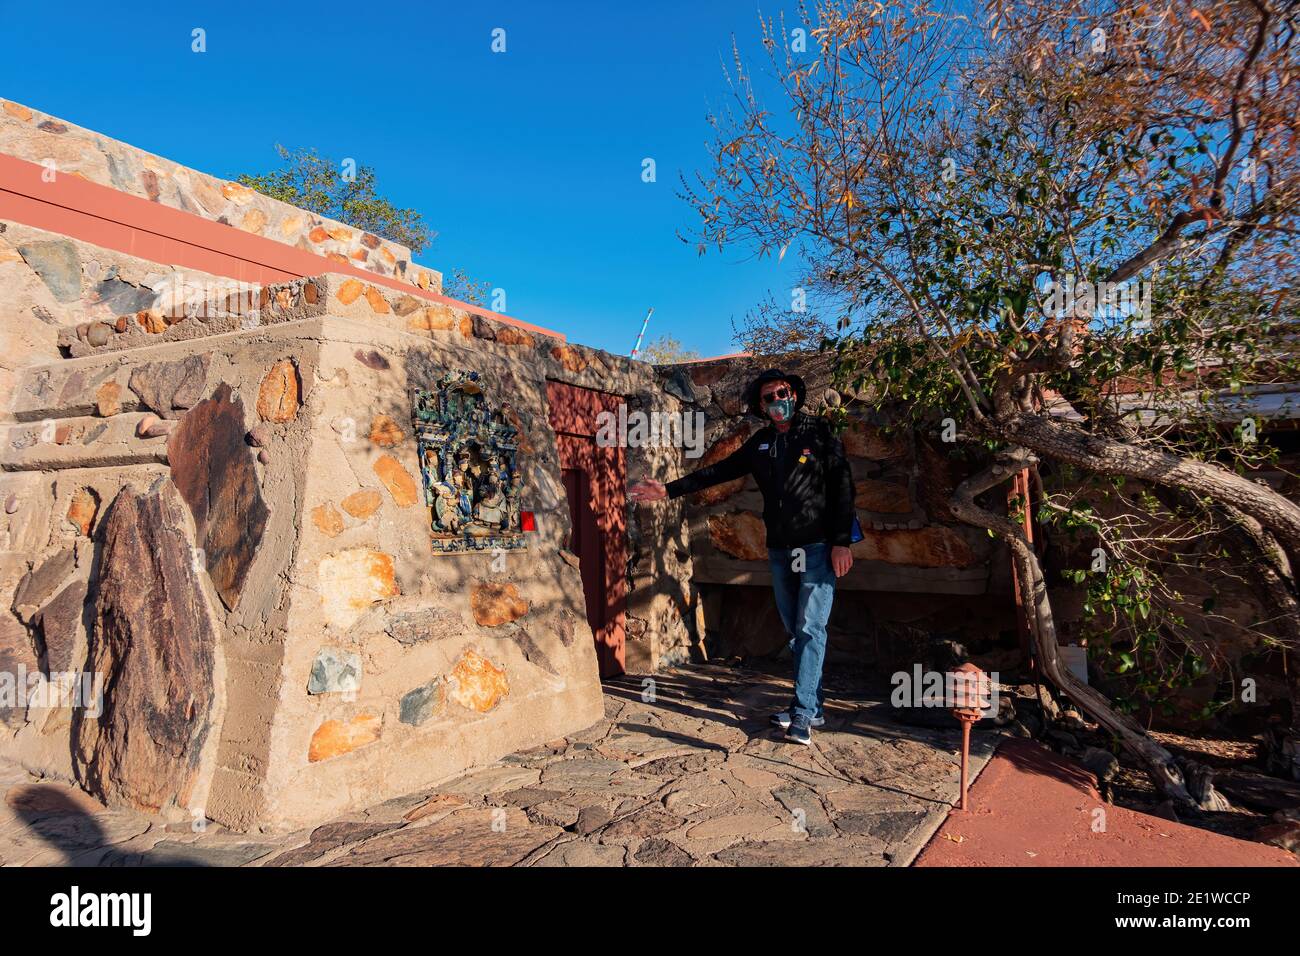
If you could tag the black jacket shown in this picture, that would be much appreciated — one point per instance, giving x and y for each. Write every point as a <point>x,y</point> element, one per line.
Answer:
<point>803,474</point>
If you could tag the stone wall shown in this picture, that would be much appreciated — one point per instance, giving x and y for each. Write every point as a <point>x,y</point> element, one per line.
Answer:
<point>221,512</point>
<point>70,150</point>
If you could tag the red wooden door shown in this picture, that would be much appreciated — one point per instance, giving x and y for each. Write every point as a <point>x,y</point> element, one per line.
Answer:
<point>595,480</point>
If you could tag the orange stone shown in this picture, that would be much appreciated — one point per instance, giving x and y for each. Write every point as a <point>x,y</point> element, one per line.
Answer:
<point>513,335</point>
<point>327,520</point>
<point>335,738</point>
<point>351,581</point>
<point>438,317</point>
<point>21,112</point>
<point>278,396</point>
<point>384,431</point>
<point>341,233</point>
<point>254,221</point>
<point>318,235</point>
<point>152,321</point>
<point>377,300</point>
<point>741,535</point>
<point>359,255</point>
<point>932,547</point>
<point>720,449</point>
<point>884,497</point>
<point>478,684</point>
<point>496,604</point>
<point>337,257</point>
<point>571,358</point>
<point>290,225</point>
<point>362,504</point>
<point>85,504</point>
<point>397,480</point>
<point>238,194</point>
<point>349,291</point>
<point>108,400</point>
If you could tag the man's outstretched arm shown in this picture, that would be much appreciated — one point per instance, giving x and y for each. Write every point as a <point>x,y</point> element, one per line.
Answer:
<point>735,465</point>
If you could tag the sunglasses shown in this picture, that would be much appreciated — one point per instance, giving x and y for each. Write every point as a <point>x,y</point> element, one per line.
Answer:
<point>776,395</point>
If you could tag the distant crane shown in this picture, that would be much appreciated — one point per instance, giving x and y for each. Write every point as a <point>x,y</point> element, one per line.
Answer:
<point>637,348</point>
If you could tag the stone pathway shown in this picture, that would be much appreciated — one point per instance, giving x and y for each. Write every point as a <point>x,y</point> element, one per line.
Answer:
<point>683,771</point>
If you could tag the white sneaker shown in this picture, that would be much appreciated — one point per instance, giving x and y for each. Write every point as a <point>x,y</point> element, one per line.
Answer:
<point>782,720</point>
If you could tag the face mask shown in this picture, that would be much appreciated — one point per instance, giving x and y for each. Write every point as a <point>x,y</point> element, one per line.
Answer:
<point>781,410</point>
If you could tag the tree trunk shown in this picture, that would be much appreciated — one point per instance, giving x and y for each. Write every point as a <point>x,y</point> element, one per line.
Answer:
<point>1159,763</point>
<point>1108,456</point>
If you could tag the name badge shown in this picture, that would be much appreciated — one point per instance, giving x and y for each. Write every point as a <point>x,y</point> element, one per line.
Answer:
<point>763,447</point>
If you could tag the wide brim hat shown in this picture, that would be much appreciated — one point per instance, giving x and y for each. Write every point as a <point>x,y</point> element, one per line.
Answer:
<point>753,389</point>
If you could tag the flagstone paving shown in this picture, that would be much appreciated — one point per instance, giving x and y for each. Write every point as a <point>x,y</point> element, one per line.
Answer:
<point>683,771</point>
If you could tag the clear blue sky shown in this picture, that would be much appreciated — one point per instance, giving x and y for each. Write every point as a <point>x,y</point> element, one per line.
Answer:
<point>527,163</point>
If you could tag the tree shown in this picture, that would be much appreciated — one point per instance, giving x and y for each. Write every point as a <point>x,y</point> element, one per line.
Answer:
<point>956,183</point>
<point>666,350</point>
<point>318,184</point>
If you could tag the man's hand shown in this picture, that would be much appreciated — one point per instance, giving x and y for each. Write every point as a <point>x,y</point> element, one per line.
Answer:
<point>841,560</point>
<point>649,490</point>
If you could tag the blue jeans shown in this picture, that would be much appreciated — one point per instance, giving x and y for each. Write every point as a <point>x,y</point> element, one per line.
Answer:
<point>804,599</point>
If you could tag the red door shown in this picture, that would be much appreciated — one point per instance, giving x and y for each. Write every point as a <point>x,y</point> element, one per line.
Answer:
<point>595,480</point>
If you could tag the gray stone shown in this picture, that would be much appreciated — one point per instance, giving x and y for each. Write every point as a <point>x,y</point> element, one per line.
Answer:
<point>660,852</point>
<point>55,261</point>
<point>59,624</point>
<point>802,853</point>
<point>420,704</point>
<point>806,808</point>
<point>39,584</point>
<point>169,388</point>
<point>1101,763</point>
<point>427,624</point>
<point>334,671</point>
<point>890,827</point>
<point>98,334</point>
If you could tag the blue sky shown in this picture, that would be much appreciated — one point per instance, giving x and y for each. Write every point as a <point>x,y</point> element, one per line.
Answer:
<point>527,163</point>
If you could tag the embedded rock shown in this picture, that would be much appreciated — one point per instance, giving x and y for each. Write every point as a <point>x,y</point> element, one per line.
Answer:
<point>420,704</point>
<point>721,448</point>
<point>932,547</point>
<point>351,581</point>
<point>362,504</point>
<point>397,480</point>
<point>214,472</point>
<point>478,683</point>
<point>334,738</point>
<point>153,638</point>
<point>741,535</point>
<point>334,671</point>
<point>169,388</point>
<point>280,393</point>
<point>496,604</point>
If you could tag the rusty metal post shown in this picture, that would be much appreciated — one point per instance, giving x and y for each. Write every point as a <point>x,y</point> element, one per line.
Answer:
<point>970,699</point>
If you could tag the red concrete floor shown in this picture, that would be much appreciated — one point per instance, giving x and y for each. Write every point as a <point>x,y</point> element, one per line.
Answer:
<point>1033,807</point>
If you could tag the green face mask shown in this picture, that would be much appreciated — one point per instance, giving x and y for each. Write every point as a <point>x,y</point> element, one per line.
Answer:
<point>781,410</point>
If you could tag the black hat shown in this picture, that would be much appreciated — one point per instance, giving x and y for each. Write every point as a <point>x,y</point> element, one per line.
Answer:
<point>773,375</point>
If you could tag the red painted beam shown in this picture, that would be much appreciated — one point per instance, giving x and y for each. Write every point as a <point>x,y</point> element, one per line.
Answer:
<point>77,208</point>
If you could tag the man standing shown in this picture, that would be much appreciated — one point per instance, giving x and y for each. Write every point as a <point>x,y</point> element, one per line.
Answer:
<point>807,488</point>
